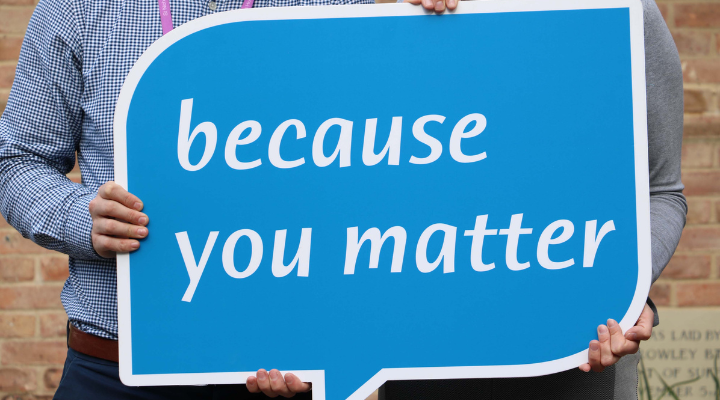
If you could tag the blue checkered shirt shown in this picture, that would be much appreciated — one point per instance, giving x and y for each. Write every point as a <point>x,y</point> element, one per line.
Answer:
<point>73,62</point>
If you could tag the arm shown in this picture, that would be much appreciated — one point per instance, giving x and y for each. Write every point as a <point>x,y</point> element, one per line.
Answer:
<point>40,132</point>
<point>668,207</point>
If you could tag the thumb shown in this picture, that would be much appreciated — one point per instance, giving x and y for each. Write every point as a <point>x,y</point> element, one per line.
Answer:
<point>295,384</point>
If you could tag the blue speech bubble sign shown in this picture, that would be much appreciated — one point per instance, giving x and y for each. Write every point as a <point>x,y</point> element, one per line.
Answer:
<point>367,193</point>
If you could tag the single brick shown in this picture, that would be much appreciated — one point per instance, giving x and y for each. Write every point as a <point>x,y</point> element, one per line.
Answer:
<point>701,126</point>
<point>3,223</point>
<point>33,352</point>
<point>17,2</point>
<point>10,48</point>
<point>683,266</point>
<point>17,380</point>
<point>660,294</point>
<point>697,15</point>
<point>53,324</point>
<point>52,377</point>
<point>54,268</point>
<point>17,326</point>
<point>13,243</point>
<point>4,93</point>
<point>17,269</point>
<point>702,70</point>
<point>701,183</point>
<point>664,10</point>
<point>698,294</point>
<point>30,297</point>
<point>75,177</point>
<point>7,74</point>
<point>697,154</point>
<point>700,238</point>
<point>14,20</point>
<point>692,43</point>
<point>699,211</point>
<point>695,101</point>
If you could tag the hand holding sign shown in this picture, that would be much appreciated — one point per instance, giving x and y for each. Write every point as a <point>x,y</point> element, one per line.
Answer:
<point>436,5</point>
<point>117,221</point>
<point>612,344</point>
<point>273,384</point>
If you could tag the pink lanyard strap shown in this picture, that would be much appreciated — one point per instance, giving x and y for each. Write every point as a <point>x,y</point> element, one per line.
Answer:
<point>166,14</point>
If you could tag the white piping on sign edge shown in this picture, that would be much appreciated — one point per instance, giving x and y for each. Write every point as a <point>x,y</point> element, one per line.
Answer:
<point>386,10</point>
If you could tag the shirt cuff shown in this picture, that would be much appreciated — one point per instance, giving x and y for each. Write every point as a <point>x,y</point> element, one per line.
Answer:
<point>656,320</point>
<point>78,229</point>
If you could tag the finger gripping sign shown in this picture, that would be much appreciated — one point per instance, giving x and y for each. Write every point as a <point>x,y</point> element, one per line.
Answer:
<point>368,193</point>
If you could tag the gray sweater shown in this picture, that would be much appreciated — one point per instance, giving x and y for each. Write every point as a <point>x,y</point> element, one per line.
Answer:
<point>665,125</point>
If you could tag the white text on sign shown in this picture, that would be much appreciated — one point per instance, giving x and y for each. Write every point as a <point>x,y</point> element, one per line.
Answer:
<point>376,239</point>
<point>391,150</point>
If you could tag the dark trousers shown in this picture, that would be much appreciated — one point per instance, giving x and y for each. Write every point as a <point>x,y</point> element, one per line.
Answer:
<point>89,378</point>
<point>569,385</point>
<point>618,382</point>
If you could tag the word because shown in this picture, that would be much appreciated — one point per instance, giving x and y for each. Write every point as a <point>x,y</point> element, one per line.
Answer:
<point>398,233</point>
<point>342,149</point>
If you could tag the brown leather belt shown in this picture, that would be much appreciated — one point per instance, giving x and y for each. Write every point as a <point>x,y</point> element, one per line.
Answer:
<point>92,345</point>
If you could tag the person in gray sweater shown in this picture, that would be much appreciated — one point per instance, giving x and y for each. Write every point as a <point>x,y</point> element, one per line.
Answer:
<point>668,209</point>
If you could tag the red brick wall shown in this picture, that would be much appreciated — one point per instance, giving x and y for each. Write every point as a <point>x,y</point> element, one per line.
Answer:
<point>32,322</point>
<point>691,279</point>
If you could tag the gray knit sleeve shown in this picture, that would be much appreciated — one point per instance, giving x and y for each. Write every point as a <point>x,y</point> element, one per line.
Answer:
<point>668,207</point>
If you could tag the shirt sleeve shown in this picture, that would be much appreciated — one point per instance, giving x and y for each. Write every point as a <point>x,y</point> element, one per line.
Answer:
<point>668,207</point>
<point>39,135</point>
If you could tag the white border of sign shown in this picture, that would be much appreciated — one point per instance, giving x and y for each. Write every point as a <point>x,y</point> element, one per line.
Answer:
<point>317,377</point>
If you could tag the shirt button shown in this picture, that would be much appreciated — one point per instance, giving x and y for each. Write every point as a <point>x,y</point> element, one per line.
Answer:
<point>212,5</point>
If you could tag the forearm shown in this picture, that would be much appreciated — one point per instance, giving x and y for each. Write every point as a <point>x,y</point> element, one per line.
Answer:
<point>667,219</point>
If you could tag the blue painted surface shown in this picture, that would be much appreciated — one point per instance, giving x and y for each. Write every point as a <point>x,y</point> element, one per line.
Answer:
<point>555,88</point>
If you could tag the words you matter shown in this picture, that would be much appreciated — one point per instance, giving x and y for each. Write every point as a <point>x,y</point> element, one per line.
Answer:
<point>467,127</point>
